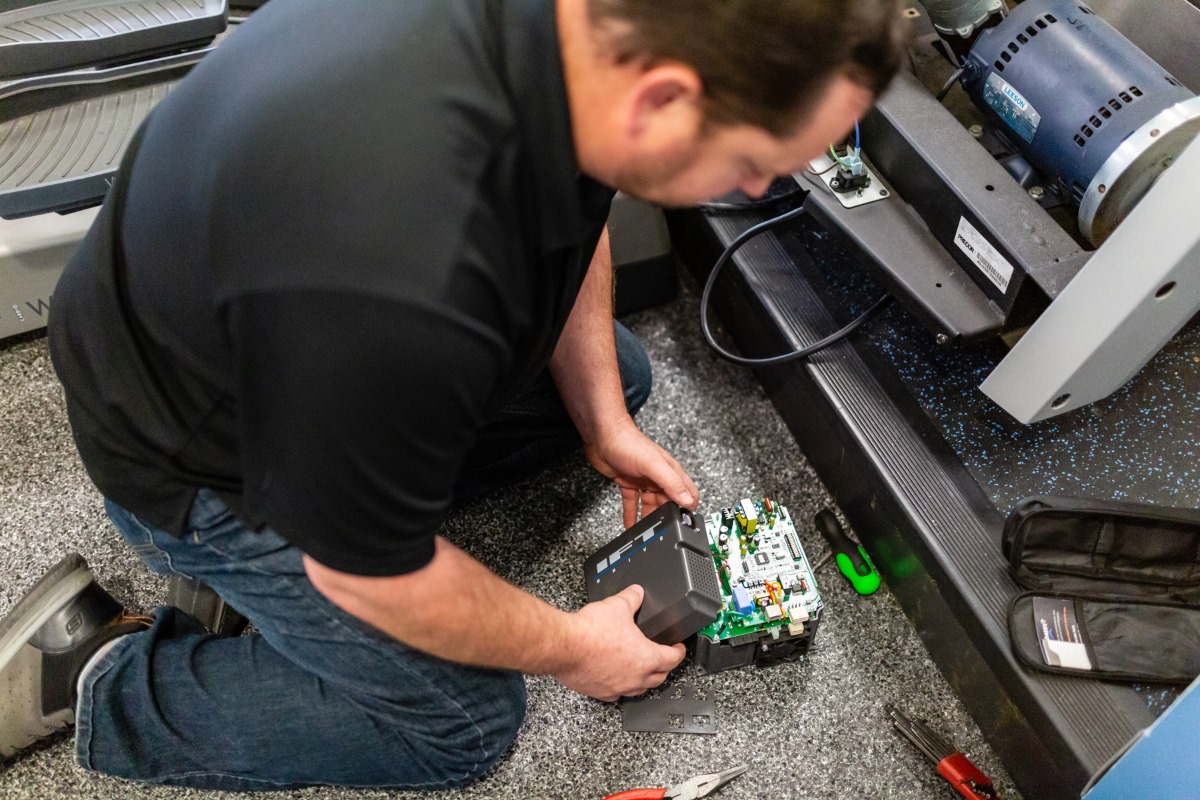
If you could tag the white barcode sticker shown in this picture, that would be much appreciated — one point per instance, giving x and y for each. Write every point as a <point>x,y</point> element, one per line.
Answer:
<point>980,251</point>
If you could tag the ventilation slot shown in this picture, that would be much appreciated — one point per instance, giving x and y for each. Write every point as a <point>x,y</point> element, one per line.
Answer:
<point>1012,48</point>
<point>1079,140</point>
<point>703,573</point>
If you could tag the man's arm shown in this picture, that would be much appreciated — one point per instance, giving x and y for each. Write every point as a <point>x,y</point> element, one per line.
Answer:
<point>584,363</point>
<point>584,368</point>
<point>456,609</point>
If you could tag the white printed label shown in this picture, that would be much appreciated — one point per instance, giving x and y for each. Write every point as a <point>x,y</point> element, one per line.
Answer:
<point>987,258</point>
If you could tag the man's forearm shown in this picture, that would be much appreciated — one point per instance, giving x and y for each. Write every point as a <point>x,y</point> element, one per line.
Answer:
<point>456,609</point>
<point>584,364</point>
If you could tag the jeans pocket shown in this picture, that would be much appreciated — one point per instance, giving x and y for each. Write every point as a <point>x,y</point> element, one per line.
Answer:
<point>141,538</point>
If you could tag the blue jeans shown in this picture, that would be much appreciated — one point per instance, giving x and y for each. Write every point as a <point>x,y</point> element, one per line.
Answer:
<point>316,696</point>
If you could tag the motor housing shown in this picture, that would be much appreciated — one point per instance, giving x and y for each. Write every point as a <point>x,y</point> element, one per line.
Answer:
<point>1083,104</point>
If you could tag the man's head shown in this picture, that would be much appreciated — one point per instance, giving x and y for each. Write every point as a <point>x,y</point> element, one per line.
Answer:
<point>683,100</point>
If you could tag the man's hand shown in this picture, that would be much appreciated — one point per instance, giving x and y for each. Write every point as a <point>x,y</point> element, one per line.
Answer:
<point>642,469</point>
<point>613,658</point>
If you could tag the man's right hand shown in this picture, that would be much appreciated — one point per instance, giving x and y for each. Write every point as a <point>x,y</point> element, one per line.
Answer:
<point>611,656</point>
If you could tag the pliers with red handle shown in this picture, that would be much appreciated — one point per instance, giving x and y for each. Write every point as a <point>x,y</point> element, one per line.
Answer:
<point>699,786</point>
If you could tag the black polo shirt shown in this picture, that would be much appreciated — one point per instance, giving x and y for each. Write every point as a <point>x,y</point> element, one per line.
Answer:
<point>344,241</point>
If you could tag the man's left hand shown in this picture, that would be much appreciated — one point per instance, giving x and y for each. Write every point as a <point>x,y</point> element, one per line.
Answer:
<point>644,471</point>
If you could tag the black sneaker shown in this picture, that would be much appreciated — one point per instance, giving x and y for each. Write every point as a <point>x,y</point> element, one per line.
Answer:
<point>44,643</point>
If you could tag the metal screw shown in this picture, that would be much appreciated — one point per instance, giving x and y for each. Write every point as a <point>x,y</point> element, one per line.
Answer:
<point>883,192</point>
<point>1037,192</point>
<point>1102,188</point>
<point>942,339</point>
<point>976,131</point>
<point>1155,132</point>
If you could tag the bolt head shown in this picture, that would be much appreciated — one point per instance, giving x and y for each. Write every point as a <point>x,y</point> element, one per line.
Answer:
<point>976,131</point>
<point>1037,192</point>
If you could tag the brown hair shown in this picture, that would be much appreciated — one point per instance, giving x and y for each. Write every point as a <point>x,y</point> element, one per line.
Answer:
<point>763,62</point>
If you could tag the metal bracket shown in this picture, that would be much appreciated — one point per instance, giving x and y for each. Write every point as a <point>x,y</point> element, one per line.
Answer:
<point>677,709</point>
<point>873,192</point>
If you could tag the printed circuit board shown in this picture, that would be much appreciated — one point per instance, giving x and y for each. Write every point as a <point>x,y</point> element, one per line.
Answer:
<point>770,602</point>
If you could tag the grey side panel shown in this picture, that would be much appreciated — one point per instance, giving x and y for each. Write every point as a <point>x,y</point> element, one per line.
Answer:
<point>33,253</point>
<point>1139,289</point>
<point>62,34</point>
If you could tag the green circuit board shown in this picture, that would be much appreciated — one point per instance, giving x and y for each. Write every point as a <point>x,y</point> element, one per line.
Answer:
<point>767,583</point>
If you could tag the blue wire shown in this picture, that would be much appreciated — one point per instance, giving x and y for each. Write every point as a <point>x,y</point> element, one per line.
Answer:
<point>857,137</point>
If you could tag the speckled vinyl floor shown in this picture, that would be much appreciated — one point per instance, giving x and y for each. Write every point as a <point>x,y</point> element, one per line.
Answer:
<point>813,729</point>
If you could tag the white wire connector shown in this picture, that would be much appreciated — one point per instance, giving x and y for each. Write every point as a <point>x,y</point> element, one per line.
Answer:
<point>853,161</point>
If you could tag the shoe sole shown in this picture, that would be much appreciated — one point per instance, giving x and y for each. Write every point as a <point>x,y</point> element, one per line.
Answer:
<point>64,580</point>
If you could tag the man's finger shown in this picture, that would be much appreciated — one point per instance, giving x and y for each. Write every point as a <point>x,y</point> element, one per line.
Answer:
<point>672,656</point>
<point>672,481</point>
<point>656,679</point>
<point>632,596</point>
<point>629,506</point>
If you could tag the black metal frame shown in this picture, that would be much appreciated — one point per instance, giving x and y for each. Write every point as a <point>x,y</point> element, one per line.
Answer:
<point>932,532</point>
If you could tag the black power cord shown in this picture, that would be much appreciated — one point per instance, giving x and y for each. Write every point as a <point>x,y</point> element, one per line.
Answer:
<point>733,247</point>
<point>958,73</point>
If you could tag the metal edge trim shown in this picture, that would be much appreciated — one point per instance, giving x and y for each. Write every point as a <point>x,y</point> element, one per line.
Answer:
<point>1136,145</point>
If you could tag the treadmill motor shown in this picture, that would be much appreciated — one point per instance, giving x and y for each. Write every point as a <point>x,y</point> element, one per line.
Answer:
<point>1084,105</point>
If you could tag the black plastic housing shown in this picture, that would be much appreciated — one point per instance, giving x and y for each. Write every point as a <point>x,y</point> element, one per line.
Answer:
<point>666,553</point>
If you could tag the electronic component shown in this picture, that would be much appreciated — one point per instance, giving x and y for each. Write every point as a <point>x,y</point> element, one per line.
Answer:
<point>742,603</point>
<point>770,607</point>
<point>666,553</point>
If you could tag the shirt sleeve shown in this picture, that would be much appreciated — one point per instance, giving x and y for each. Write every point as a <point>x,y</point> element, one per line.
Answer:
<point>356,414</point>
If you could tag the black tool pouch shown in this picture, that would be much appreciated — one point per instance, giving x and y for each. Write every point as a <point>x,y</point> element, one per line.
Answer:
<point>1114,589</point>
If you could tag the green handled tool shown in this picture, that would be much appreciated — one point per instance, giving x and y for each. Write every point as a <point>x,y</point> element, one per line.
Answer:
<point>852,559</point>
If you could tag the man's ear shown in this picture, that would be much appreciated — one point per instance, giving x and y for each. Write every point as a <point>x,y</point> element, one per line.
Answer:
<point>665,99</point>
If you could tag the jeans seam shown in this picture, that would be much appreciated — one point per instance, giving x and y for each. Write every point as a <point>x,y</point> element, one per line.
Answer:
<point>151,548</point>
<point>362,638</point>
<point>482,745</point>
<point>87,697</point>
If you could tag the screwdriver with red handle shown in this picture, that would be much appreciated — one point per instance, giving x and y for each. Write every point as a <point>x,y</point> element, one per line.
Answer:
<point>952,765</point>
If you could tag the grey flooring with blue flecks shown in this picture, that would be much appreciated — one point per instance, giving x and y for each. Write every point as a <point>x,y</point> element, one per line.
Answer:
<point>812,730</point>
